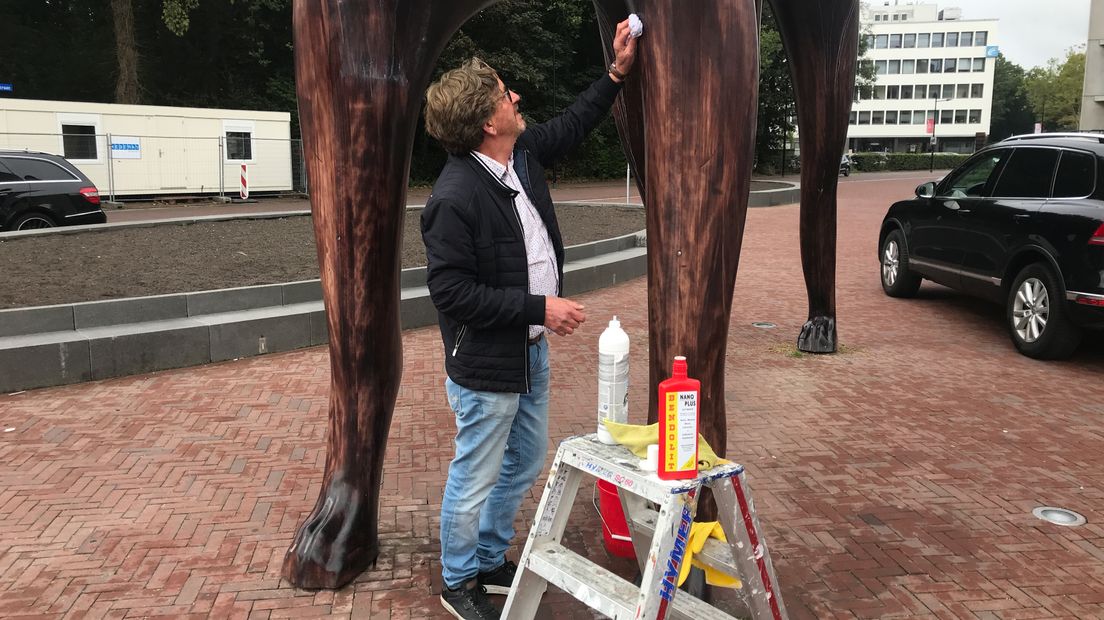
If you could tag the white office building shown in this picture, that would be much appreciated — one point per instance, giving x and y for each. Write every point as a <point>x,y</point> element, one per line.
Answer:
<point>1092,102</point>
<point>934,79</point>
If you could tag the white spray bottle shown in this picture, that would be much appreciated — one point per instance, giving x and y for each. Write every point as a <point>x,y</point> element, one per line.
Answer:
<point>613,378</point>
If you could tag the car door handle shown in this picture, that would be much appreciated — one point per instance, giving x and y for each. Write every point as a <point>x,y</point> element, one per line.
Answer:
<point>1021,217</point>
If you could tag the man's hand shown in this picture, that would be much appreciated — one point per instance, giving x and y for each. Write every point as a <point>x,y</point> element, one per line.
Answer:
<point>624,49</point>
<point>562,315</point>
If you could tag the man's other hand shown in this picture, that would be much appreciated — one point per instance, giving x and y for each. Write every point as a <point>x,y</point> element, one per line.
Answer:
<point>624,48</point>
<point>562,316</point>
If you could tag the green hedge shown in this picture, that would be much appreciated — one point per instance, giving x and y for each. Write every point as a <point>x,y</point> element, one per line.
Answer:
<point>872,162</point>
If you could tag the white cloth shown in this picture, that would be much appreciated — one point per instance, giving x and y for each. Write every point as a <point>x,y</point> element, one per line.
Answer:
<point>543,275</point>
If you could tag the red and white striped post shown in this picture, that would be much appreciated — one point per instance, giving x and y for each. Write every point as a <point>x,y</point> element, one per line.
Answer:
<point>244,181</point>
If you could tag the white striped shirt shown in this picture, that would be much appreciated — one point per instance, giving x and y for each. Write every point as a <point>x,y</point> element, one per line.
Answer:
<point>543,275</point>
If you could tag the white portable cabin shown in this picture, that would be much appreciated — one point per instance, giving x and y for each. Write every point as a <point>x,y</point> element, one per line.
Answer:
<point>132,150</point>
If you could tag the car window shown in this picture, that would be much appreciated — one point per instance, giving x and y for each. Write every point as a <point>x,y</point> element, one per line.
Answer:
<point>975,177</point>
<point>38,170</point>
<point>1028,174</point>
<point>7,176</point>
<point>1076,175</point>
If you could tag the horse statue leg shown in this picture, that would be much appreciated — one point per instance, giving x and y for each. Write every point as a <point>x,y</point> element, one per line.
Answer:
<point>697,88</point>
<point>821,41</point>
<point>361,69</point>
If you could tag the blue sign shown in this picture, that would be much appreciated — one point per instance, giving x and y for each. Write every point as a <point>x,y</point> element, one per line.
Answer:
<point>5,88</point>
<point>992,51</point>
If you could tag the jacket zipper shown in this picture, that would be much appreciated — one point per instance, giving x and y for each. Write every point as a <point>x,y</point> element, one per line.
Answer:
<point>525,332</point>
<point>459,338</point>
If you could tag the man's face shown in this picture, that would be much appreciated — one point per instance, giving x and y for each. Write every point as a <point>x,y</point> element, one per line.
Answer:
<point>507,119</point>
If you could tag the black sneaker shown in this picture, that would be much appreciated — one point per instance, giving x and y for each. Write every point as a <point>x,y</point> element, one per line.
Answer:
<point>499,580</point>
<point>469,602</point>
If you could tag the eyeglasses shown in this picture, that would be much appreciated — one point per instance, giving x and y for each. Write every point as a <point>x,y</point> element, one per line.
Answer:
<point>507,94</point>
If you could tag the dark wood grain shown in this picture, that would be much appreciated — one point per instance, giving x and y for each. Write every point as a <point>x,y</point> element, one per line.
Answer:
<point>821,41</point>
<point>361,69</point>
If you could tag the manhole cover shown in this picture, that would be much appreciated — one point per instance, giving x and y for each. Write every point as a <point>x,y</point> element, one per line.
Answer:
<point>1059,516</point>
<point>763,325</point>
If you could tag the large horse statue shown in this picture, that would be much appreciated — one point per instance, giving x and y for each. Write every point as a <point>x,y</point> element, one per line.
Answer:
<point>687,120</point>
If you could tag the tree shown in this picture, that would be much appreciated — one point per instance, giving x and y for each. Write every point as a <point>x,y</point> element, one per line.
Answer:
<point>1055,91</point>
<point>126,52</point>
<point>1011,112</point>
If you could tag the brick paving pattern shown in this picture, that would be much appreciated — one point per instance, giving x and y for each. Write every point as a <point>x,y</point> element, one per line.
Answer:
<point>893,480</point>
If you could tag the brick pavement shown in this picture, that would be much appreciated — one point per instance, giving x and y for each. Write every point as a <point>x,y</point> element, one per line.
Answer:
<point>895,479</point>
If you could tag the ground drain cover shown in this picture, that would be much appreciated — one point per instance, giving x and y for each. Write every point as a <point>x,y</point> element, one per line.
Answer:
<point>763,325</point>
<point>1059,516</point>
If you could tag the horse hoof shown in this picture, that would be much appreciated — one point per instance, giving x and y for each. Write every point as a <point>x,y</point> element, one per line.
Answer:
<point>818,335</point>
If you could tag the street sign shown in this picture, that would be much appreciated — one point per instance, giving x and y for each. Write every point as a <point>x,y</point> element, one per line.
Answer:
<point>992,51</point>
<point>5,88</point>
<point>931,126</point>
<point>933,141</point>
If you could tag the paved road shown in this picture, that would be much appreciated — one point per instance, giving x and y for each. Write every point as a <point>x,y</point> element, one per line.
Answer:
<point>893,480</point>
<point>597,192</point>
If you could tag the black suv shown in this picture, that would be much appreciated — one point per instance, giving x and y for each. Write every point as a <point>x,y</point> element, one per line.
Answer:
<point>40,190</point>
<point>1021,223</point>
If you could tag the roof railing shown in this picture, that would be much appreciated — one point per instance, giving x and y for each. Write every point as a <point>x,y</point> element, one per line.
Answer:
<point>1096,137</point>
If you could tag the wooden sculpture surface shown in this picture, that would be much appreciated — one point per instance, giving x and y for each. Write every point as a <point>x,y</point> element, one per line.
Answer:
<point>362,67</point>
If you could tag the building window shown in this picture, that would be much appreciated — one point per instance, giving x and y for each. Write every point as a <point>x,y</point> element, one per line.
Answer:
<point>946,117</point>
<point>877,18</point>
<point>923,40</point>
<point>239,146</point>
<point>981,37</point>
<point>960,117</point>
<point>922,65</point>
<point>952,39</point>
<point>966,39</point>
<point>975,116</point>
<point>881,41</point>
<point>977,91</point>
<point>864,118</point>
<point>937,39</point>
<point>936,65</point>
<point>962,91</point>
<point>879,67</point>
<point>891,117</point>
<point>854,118</point>
<point>79,141</point>
<point>896,17</point>
<point>963,65</point>
<point>895,41</point>
<point>908,66</point>
<point>894,67</point>
<point>893,92</point>
<point>904,17</point>
<point>979,65</point>
<point>949,65</point>
<point>910,40</point>
<point>948,91</point>
<point>905,117</point>
<point>879,92</point>
<point>906,91</point>
<point>919,117</point>
<point>869,41</point>
<point>866,92</point>
<point>878,118</point>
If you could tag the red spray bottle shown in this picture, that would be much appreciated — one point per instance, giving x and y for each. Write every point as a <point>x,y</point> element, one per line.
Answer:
<point>678,424</point>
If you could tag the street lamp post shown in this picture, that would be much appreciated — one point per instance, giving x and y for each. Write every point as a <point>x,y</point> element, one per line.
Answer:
<point>935,123</point>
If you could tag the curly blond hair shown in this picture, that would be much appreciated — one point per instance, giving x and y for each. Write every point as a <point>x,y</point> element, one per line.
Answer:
<point>459,103</point>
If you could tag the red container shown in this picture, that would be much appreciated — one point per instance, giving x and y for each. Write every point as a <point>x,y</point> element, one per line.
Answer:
<point>615,529</point>
<point>678,424</point>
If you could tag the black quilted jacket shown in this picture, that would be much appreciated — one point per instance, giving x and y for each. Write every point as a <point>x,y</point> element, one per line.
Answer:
<point>478,273</point>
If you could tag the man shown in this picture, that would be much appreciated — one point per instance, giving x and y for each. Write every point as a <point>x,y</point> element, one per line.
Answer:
<point>495,272</point>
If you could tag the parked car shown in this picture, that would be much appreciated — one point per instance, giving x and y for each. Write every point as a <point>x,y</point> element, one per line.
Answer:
<point>845,166</point>
<point>40,190</point>
<point>1021,223</point>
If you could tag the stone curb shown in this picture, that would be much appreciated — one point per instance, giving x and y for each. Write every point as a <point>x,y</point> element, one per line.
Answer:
<point>56,345</point>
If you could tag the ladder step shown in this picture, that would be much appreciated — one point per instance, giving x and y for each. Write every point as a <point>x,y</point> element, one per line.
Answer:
<point>604,591</point>
<point>716,554</point>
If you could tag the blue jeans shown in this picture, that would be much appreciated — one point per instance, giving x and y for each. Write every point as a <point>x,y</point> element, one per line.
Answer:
<point>501,441</point>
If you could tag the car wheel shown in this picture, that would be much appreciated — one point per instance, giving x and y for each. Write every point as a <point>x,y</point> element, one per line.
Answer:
<point>897,280</point>
<point>32,221</point>
<point>1037,318</point>
<point>847,172</point>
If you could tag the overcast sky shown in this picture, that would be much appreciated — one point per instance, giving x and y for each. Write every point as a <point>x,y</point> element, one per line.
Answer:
<point>1031,31</point>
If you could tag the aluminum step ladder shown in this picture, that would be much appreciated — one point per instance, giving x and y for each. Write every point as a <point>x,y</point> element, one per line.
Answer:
<point>545,561</point>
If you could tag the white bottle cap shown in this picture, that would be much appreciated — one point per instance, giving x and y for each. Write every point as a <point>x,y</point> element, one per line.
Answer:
<point>614,322</point>
<point>652,462</point>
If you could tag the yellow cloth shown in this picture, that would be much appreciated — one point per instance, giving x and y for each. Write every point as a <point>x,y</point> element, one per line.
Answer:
<point>638,437</point>
<point>699,532</point>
